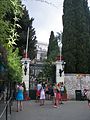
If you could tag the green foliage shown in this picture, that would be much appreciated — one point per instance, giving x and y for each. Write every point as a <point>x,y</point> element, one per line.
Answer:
<point>76,36</point>
<point>53,52</point>
<point>40,76</point>
<point>26,22</point>
<point>4,25</point>
<point>14,61</point>
<point>10,12</point>
<point>14,65</point>
<point>53,49</point>
<point>3,31</point>
<point>16,7</point>
<point>49,71</point>
<point>4,7</point>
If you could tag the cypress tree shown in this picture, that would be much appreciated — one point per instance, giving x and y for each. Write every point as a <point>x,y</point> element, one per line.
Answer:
<point>52,53</point>
<point>26,22</point>
<point>53,49</point>
<point>75,36</point>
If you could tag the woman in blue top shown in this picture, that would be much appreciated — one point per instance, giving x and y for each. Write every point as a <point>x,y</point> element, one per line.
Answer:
<point>19,96</point>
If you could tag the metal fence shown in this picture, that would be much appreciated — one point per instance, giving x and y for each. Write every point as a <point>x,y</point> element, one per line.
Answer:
<point>6,112</point>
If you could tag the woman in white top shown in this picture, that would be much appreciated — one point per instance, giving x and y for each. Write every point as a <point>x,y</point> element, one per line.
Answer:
<point>42,96</point>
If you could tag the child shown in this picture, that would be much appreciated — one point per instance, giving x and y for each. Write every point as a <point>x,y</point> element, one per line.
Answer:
<point>42,96</point>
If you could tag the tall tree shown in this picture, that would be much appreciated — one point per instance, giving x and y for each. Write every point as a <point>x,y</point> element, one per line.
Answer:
<point>75,36</point>
<point>53,52</point>
<point>87,14</point>
<point>26,22</point>
<point>53,49</point>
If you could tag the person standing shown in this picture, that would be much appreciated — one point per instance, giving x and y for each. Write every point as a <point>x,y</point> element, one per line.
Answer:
<point>47,91</point>
<point>38,88</point>
<point>88,96</point>
<point>19,96</point>
<point>62,91</point>
<point>42,96</point>
<point>50,92</point>
<point>57,96</point>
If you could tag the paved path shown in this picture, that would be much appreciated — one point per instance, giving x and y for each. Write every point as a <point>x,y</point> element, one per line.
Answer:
<point>70,110</point>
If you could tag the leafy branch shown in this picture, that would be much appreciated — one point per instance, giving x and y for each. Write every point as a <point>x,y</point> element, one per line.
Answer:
<point>17,10</point>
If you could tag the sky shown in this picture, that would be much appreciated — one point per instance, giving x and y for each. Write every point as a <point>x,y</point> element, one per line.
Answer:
<point>47,17</point>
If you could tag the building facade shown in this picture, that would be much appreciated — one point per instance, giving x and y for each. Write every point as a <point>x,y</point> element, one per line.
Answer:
<point>41,51</point>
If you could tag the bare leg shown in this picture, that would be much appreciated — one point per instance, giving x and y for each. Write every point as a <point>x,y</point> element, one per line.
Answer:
<point>52,99</point>
<point>38,97</point>
<point>57,102</point>
<point>17,105</point>
<point>43,101</point>
<point>48,97</point>
<point>40,102</point>
<point>20,105</point>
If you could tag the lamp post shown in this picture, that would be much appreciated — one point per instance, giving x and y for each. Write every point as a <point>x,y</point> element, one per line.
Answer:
<point>60,63</point>
<point>26,54</point>
<point>61,70</point>
<point>25,65</point>
<point>60,45</point>
<point>60,59</point>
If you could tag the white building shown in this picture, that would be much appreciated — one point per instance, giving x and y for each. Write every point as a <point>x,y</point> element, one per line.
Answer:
<point>41,51</point>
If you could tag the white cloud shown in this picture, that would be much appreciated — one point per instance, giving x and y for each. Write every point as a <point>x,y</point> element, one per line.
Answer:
<point>46,17</point>
<point>43,35</point>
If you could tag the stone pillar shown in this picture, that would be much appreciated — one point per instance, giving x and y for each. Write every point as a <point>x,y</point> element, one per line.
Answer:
<point>25,78</point>
<point>58,67</point>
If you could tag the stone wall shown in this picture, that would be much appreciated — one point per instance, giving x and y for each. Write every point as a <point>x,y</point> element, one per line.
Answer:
<point>75,82</point>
